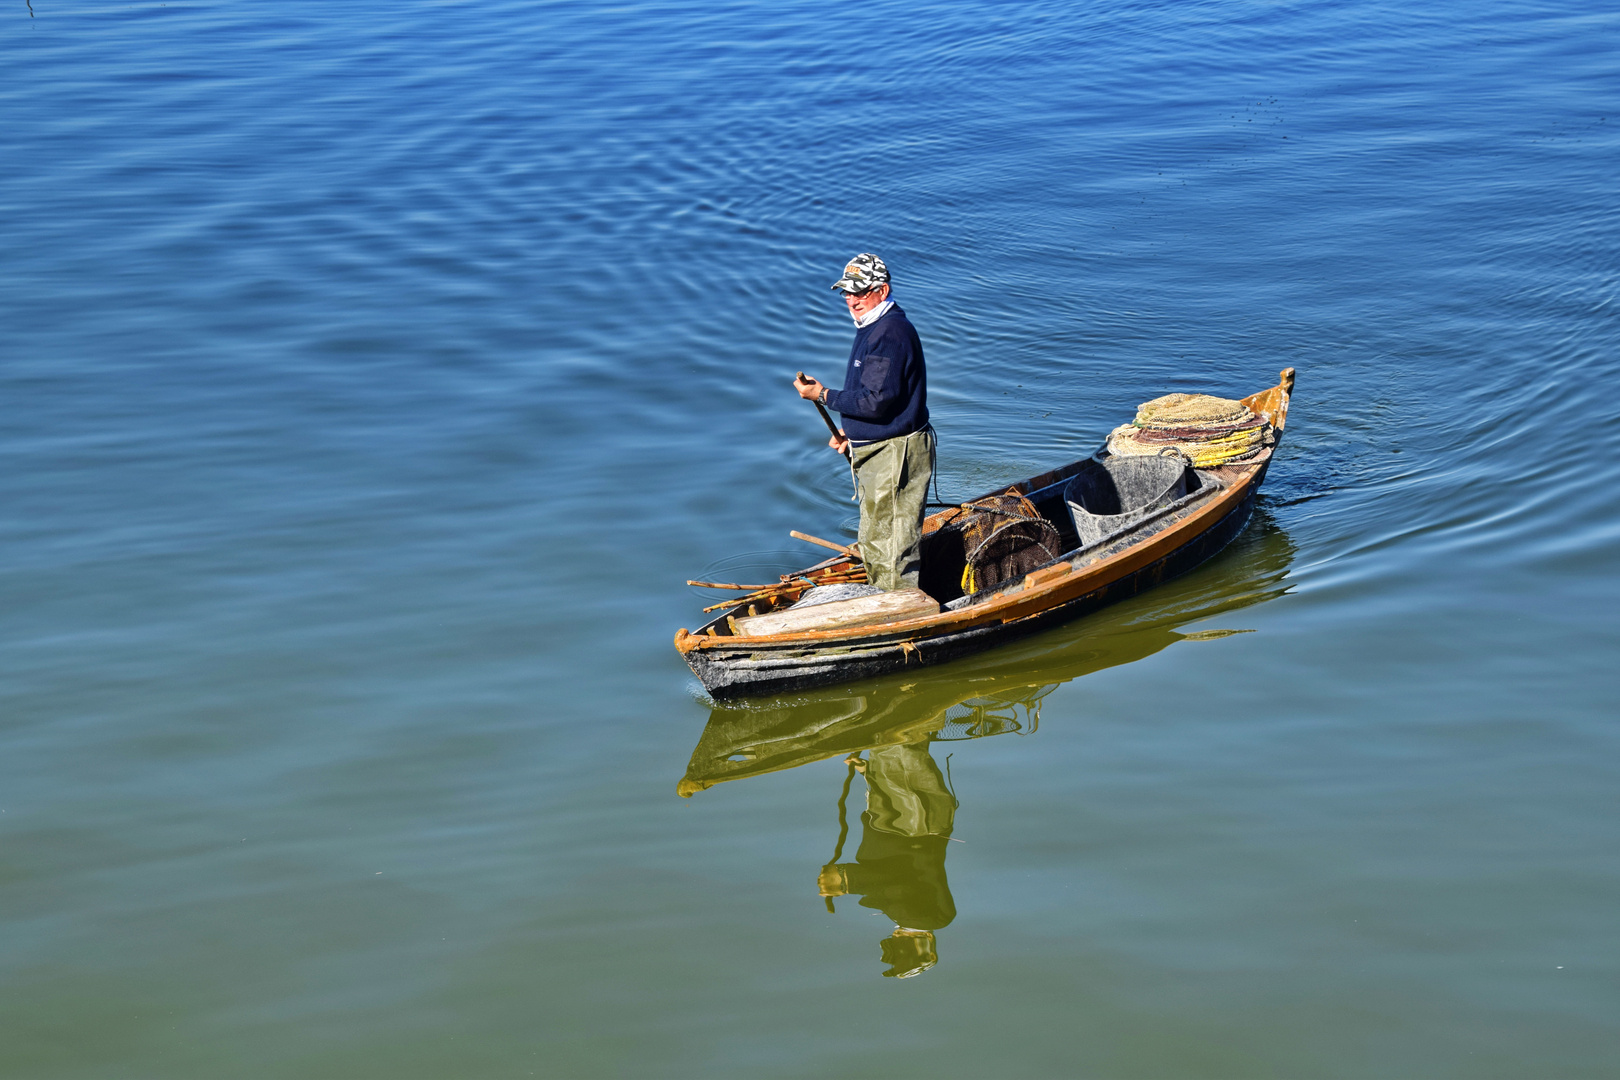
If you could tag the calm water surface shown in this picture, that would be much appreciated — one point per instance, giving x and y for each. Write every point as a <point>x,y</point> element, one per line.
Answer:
<point>374,375</point>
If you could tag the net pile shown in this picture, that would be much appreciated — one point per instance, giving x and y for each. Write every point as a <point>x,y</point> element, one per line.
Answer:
<point>1207,431</point>
<point>831,594</point>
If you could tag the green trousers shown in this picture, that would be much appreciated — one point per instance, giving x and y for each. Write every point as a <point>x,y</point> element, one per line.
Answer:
<point>893,476</point>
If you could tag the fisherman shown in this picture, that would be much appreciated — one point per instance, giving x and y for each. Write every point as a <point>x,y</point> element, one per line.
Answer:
<point>884,406</point>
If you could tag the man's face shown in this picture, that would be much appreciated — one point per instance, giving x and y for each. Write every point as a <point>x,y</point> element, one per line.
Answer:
<point>861,303</point>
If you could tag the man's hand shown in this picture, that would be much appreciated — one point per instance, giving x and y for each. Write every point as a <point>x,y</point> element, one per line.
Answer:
<point>839,442</point>
<point>832,881</point>
<point>809,389</point>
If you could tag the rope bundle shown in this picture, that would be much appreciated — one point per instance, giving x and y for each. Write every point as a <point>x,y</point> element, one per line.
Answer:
<point>1207,431</point>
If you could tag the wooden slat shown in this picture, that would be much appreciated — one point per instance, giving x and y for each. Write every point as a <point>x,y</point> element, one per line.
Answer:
<point>842,614</point>
<point>807,538</point>
<point>1050,574</point>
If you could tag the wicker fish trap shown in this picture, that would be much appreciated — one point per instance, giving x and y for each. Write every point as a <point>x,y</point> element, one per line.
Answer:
<point>997,539</point>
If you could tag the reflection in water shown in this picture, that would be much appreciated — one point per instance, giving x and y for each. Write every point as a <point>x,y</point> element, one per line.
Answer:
<point>885,727</point>
<point>899,869</point>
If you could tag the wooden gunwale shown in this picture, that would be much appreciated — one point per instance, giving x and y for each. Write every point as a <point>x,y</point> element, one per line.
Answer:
<point>1042,589</point>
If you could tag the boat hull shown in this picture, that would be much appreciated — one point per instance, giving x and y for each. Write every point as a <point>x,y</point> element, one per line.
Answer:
<point>758,669</point>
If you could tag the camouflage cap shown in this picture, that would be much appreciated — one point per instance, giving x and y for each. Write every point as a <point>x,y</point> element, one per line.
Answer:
<point>864,273</point>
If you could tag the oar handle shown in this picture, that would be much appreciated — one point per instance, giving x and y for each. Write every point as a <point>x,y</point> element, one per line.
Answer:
<point>826,417</point>
<point>807,538</point>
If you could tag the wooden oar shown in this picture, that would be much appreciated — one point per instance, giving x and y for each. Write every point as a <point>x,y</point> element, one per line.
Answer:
<point>843,825</point>
<point>781,578</point>
<point>822,565</point>
<point>786,582</point>
<point>775,592</point>
<point>827,419</point>
<point>807,538</point>
<point>791,585</point>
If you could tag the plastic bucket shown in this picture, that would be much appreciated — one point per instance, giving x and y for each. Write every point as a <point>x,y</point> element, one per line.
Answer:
<point>1109,495</point>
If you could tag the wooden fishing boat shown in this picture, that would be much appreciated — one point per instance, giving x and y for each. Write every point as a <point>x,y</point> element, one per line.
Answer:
<point>732,657</point>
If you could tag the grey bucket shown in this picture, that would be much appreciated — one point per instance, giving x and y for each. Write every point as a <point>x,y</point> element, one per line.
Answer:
<point>1109,494</point>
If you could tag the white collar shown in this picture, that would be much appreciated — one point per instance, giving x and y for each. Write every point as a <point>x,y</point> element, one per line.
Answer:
<point>874,315</point>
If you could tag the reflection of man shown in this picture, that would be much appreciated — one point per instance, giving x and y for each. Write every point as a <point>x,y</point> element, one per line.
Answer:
<point>899,868</point>
<point>884,405</point>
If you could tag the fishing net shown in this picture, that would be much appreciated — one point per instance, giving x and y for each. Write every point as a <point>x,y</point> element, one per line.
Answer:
<point>989,541</point>
<point>1189,410</point>
<point>1208,431</point>
<point>831,594</point>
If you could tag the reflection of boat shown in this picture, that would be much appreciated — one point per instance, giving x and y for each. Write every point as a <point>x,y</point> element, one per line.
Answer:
<point>988,695</point>
<point>886,732</point>
<point>1151,550</point>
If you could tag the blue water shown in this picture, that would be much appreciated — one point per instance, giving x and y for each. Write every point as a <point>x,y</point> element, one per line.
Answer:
<point>375,375</point>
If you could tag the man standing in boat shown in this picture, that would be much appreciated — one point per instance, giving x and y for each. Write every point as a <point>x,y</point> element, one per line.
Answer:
<point>884,406</point>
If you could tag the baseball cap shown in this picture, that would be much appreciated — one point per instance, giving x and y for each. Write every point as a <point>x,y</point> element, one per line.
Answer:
<point>863,273</point>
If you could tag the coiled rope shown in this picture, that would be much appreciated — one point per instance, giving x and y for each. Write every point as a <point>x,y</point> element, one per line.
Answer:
<point>1208,431</point>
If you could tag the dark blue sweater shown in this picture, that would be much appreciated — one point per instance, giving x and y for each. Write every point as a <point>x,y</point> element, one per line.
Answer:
<point>885,392</point>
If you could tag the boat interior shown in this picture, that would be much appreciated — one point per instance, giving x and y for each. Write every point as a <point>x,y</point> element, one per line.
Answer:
<point>1098,507</point>
<point>1114,507</point>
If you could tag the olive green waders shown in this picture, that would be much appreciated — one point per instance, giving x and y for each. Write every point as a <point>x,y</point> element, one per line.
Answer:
<point>893,476</point>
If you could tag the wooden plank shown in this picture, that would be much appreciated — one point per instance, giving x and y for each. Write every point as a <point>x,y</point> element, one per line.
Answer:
<point>1051,573</point>
<point>842,614</point>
